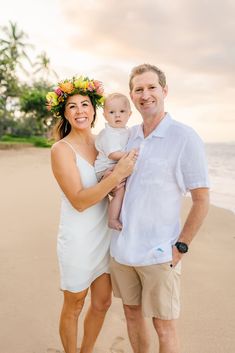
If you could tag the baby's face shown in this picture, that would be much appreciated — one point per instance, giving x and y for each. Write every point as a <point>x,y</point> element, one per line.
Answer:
<point>117,112</point>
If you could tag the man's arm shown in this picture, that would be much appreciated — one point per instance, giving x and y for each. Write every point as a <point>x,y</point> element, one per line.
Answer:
<point>197,213</point>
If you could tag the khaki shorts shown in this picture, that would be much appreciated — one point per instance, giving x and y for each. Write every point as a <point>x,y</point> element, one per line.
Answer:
<point>155,287</point>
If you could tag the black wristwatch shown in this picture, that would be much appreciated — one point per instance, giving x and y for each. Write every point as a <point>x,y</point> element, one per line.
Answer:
<point>182,247</point>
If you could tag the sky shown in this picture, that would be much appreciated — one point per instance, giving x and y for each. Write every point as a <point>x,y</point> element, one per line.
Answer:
<point>192,41</point>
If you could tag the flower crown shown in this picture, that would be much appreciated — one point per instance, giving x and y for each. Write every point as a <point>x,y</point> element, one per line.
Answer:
<point>77,85</point>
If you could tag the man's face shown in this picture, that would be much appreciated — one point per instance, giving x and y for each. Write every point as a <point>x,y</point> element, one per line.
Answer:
<point>148,95</point>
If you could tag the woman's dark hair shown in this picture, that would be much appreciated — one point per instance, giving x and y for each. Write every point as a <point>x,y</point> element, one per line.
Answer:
<point>62,128</point>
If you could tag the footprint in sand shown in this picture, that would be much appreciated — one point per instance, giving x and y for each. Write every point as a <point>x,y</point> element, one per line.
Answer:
<point>114,348</point>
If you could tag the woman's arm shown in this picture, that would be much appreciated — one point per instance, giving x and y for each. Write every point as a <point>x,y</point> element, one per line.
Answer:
<point>64,168</point>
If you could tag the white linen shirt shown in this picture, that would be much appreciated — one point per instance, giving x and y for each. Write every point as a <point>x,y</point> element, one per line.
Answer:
<point>171,161</point>
<point>109,140</point>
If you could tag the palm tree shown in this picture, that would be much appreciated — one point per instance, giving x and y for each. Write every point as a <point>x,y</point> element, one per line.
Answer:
<point>43,65</point>
<point>14,45</point>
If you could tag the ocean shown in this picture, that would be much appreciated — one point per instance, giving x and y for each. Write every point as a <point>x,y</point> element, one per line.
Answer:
<point>221,165</point>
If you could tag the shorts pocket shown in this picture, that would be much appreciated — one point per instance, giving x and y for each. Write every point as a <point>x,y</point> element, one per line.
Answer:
<point>167,266</point>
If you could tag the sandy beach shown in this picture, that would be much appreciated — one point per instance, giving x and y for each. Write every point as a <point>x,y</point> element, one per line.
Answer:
<point>30,299</point>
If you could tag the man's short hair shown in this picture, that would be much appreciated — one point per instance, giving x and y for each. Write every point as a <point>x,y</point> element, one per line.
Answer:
<point>140,69</point>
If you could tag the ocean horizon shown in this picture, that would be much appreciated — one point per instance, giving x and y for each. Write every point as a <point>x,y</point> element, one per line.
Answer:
<point>221,166</point>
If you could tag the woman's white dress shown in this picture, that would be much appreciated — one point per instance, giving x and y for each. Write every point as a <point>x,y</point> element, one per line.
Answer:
<point>84,238</point>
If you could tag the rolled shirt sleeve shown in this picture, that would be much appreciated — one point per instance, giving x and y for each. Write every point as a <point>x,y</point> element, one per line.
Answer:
<point>193,171</point>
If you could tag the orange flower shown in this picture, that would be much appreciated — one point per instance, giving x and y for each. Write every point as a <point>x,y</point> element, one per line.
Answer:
<point>67,87</point>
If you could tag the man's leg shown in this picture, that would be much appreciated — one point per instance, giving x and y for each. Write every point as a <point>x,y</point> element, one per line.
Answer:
<point>161,301</point>
<point>167,334</point>
<point>136,328</point>
<point>127,286</point>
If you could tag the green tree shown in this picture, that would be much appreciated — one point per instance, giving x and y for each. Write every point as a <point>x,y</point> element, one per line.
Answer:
<point>43,67</point>
<point>22,107</point>
<point>14,45</point>
<point>33,105</point>
<point>12,53</point>
<point>9,88</point>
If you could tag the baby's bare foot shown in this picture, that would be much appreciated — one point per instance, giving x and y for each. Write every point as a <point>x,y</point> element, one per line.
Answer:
<point>115,224</point>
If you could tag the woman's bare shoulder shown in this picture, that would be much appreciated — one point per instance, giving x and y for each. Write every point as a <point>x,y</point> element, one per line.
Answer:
<point>61,148</point>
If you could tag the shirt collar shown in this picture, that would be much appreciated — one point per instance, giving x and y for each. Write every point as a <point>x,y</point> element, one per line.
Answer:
<point>159,131</point>
<point>107,126</point>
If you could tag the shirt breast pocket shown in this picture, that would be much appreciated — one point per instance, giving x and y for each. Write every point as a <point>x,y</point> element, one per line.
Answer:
<point>154,172</point>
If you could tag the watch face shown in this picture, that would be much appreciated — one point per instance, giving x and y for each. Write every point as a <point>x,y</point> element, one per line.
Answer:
<point>182,247</point>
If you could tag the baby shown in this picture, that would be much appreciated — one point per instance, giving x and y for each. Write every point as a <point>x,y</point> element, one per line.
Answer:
<point>110,143</point>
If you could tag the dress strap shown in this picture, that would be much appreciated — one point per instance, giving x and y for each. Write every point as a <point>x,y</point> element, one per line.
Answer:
<point>69,144</point>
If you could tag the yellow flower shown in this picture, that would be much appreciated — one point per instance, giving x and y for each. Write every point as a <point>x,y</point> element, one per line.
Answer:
<point>85,85</point>
<point>67,87</point>
<point>101,100</point>
<point>52,98</point>
<point>81,83</point>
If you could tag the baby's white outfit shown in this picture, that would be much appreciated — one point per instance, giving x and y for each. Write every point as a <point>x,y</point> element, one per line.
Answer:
<point>109,140</point>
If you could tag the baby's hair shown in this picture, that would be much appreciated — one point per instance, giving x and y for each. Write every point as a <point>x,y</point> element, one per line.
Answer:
<point>115,95</point>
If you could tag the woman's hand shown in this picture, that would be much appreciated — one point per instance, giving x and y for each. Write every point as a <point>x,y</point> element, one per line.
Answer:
<point>121,185</point>
<point>125,165</point>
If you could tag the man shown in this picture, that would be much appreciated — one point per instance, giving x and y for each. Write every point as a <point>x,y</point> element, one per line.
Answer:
<point>146,254</point>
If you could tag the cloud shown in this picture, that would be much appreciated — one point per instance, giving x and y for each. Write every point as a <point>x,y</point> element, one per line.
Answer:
<point>195,34</point>
<point>191,40</point>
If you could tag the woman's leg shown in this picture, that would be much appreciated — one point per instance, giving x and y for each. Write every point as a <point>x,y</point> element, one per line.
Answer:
<point>73,304</point>
<point>100,302</point>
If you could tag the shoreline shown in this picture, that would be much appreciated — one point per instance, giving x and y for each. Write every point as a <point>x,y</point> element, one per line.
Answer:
<point>30,299</point>
<point>214,199</point>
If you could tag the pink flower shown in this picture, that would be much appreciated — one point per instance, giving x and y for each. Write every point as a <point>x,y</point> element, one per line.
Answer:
<point>58,91</point>
<point>91,86</point>
<point>98,87</point>
<point>100,90</point>
<point>97,84</point>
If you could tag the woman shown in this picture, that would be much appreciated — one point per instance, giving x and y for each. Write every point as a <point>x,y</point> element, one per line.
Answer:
<point>83,239</point>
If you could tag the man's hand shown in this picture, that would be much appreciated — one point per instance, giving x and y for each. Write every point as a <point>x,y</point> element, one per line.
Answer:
<point>176,256</point>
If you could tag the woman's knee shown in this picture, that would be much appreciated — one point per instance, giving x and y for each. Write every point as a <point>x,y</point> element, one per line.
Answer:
<point>101,305</point>
<point>101,293</point>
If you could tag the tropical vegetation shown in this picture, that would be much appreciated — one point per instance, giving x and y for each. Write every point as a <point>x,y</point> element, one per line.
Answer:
<point>23,112</point>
